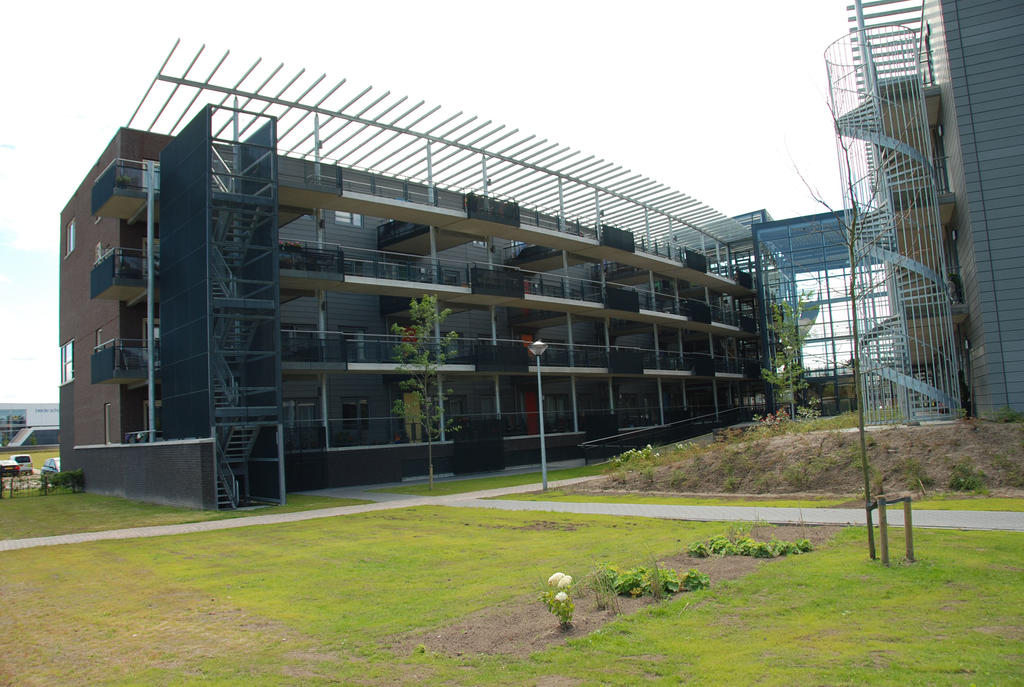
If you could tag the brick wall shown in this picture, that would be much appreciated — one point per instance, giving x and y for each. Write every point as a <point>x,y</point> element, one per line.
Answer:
<point>171,473</point>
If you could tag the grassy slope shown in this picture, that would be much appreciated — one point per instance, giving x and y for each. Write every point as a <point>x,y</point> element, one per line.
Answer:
<point>980,503</point>
<point>319,603</point>
<point>43,516</point>
<point>463,486</point>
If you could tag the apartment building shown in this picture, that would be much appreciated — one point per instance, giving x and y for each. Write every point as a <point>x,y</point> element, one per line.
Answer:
<point>271,244</point>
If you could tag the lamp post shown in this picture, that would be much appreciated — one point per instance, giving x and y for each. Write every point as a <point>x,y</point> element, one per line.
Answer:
<point>537,348</point>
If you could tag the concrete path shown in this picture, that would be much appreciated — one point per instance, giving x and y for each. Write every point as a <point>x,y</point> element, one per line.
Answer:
<point>966,520</point>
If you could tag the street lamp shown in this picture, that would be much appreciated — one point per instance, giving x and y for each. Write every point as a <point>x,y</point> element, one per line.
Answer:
<point>537,348</point>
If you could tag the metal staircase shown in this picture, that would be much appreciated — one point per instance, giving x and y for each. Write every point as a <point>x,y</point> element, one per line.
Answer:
<point>244,351</point>
<point>904,321</point>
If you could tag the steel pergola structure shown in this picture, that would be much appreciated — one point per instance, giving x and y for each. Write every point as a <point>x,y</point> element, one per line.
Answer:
<point>380,132</point>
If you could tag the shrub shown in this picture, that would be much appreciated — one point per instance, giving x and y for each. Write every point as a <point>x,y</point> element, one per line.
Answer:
<point>966,477</point>
<point>915,474</point>
<point>635,456</point>
<point>71,479</point>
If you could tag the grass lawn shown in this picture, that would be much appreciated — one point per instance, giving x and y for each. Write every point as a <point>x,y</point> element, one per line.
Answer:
<point>38,456</point>
<point>559,495</point>
<point>322,602</point>
<point>946,502</point>
<point>461,486</point>
<point>43,516</point>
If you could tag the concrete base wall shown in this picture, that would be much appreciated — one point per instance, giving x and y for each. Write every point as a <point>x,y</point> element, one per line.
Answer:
<point>171,473</point>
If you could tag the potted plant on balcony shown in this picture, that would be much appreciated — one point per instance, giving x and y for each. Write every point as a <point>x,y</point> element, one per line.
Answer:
<point>123,181</point>
<point>290,251</point>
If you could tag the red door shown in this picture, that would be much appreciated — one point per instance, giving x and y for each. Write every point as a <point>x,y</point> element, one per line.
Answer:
<point>530,406</point>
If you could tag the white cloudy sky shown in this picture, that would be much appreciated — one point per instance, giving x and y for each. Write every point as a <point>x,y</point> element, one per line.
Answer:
<point>718,100</point>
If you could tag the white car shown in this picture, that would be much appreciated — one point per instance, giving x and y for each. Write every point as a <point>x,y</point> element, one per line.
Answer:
<point>24,462</point>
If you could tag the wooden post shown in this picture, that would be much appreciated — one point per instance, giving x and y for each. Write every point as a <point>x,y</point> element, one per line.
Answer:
<point>908,530</point>
<point>883,533</point>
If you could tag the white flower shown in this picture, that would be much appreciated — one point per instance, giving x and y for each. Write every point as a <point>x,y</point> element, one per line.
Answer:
<point>561,597</point>
<point>565,582</point>
<point>555,579</point>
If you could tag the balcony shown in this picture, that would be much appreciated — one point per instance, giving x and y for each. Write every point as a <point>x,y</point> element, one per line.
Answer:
<point>119,275</point>
<point>492,210</point>
<point>410,237</point>
<point>613,237</point>
<point>502,356</point>
<point>625,300</point>
<point>497,282</point>
<point>538,258</point>
<point>122,361</point>
<point>120,190</point>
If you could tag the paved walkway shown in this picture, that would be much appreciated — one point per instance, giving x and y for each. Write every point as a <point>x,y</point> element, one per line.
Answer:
<point>966,520</point>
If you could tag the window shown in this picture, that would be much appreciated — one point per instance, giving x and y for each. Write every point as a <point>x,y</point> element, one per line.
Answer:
<point>350,218</point>
<point>107,423</point>
<point>67,362</point>
<point>70,238</point>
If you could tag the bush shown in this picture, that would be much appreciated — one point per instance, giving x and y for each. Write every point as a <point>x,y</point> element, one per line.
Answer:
<point>966,477</point>
<point>634,457</point>
<point>71,479</point>
<point>721,545</point>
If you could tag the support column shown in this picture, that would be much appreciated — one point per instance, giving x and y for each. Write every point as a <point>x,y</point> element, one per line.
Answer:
<point>321,323</point>
<point>150,305</point>
<point>575,413</point>
<point>430,176</point>
<point>657,365</point>
<point>714,394</point>
<point>565,273</point>
<point>608,353</point>
<point>433,255</point>
<point>483,168</point>
<point>561,207</point>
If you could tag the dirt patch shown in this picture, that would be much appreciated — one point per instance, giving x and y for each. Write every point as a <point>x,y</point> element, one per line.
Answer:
<point>903,459</point>
<point>541,525</point>
<point>523,626</point>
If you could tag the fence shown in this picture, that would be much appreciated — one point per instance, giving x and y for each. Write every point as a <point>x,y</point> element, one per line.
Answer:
<point>17,486</point>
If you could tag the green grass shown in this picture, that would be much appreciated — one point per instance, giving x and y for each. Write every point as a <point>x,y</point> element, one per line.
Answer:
<point>558,495</point>
<point>982,503</point>
<point>38,456</point>
<point>324,602</point>
<point>44,516</point>
<point>462,486</point>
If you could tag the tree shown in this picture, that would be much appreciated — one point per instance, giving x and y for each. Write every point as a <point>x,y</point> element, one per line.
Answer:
<point>420,353</point>
<point>787,371</point>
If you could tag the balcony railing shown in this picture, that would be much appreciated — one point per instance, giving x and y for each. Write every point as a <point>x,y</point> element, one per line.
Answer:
<point>503,355</point>
<point>119,267</point>
<point>122,360</point>
<point>120,178</point>
<point>309,257</point>
<point>395,231</point>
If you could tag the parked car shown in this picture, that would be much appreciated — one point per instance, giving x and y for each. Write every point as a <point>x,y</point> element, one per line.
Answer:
<point>24,462</point>
<point>9,468</point>
<point>51,466</point>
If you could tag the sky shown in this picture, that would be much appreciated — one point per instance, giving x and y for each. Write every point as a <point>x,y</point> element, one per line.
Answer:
<point>725,102</point>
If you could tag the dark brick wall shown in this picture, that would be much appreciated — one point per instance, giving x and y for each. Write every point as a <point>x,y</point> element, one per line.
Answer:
<point>173,473</point>
<point>81,402</point>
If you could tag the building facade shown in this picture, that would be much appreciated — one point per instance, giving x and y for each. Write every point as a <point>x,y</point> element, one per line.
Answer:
<point>278,279</point>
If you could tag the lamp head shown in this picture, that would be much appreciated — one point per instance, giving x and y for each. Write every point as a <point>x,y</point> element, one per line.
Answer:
<point>537,348</point>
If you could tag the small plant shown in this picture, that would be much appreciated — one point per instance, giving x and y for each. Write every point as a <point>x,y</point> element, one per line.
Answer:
<point>556,597</point>
<point>694,580</point>
<point>965,477</point>
<point>602,581</point>
<point>123,180</point>
<point>1008,414</point>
